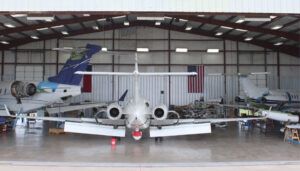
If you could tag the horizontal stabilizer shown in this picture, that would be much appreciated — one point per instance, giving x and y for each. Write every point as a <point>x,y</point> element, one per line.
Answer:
<point>181,129</point>
<point>140,73</point>
<point>94,129</point>
<point>167,73</point>
<point>103,73</point>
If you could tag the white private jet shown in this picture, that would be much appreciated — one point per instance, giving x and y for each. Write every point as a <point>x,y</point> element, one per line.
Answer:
<point>137,115</point>
<point>266,96</point>
<point>24,97</point>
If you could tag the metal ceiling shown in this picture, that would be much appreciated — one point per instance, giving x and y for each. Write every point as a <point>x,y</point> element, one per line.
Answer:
<point>208,25</point>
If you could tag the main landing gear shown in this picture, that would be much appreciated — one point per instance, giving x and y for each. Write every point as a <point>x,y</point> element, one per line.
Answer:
<point>159,139</point>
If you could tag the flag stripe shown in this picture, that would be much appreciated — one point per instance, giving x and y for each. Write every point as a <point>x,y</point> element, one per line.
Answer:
<point>196,83</point>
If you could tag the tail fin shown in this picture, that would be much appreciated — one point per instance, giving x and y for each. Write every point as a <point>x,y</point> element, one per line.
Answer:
<point>77,62</point>
<point>252,90</point>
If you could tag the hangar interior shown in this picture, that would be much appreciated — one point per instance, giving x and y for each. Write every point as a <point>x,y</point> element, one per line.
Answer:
<point>235,54</point>
<point>221,46</point>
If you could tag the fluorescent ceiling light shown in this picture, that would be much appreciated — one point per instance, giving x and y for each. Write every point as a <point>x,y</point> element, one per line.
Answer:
<point>188,28</point>
<point>219,34</point>
<point>157,23</point>
<point>40,29</point>
<point>225,27</point>
<point>213,50</point>
<point>64,33</point>
<point>59,26</point>
<point>167,17</point>
<point>200,15</point>
<point>95,27</point>
<point>240,20</point>
<point>142,49</point>
<point>18,15</point>
<point>9,25</point>
<point>183,20</point>
<point>34,37</point>
<point>4,42</point>
<point>248,38</point>
<point>122,16</point>
<point>126,23</point>
<point>278,43</point>
<point>257,19</point>
<point>46,18</point>
<point>104,49</point>
<point>181,50</point>
<point>276,27</point>
<point>241,30</point>
<point>86,15</point>
<point>151,18</point>
<point>102,19</point>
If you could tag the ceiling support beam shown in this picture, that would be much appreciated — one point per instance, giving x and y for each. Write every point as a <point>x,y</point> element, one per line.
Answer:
<point>287,35</point>
<point>294,51</point>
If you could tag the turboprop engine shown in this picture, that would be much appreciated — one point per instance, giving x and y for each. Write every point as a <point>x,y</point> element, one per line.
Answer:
<point>20,89</point>
<point>114,111</point>
<point>160,112</point>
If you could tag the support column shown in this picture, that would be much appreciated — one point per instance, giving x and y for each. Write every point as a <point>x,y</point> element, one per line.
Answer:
<point>278,70</point>
<point>265,65</point>
<point>44,58</point>
<point>113,64</point>
<point>225,79</point>
<point>2,65</point>
<point>57,55</point>
<point>238,63</point>
<point>169,63</point>
<point>16,60</point>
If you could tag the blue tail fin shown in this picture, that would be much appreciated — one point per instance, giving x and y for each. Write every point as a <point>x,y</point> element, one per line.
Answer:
<point>77,62</point>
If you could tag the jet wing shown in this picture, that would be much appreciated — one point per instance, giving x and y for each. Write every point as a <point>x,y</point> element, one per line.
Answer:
<point>62,109</point>
<point>174,127</point>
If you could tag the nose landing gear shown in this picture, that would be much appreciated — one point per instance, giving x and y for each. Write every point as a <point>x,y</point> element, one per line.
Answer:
<point>137,135</point>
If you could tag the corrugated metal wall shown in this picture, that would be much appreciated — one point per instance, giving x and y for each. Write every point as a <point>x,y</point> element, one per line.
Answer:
<point>151,87</point>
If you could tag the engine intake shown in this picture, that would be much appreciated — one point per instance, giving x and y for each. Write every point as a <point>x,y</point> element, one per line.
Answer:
<point>160,112</point>
<point>21,89</point>
<point>114,112</point>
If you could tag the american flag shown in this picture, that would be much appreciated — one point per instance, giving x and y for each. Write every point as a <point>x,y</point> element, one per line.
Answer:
<point>196,83</point>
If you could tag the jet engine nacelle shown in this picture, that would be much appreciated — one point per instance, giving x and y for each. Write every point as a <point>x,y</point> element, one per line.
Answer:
<point>114,111</point>
<point>160,112</point>
<point>20,89</point>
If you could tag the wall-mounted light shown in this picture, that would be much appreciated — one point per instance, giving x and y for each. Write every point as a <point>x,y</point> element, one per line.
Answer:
<point>142,49</point>
<point>212,50</point>
<point>157,23</point>
<point>181,50</point>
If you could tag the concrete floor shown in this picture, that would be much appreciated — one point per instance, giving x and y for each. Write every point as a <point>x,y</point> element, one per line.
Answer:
<point>228,147</point>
